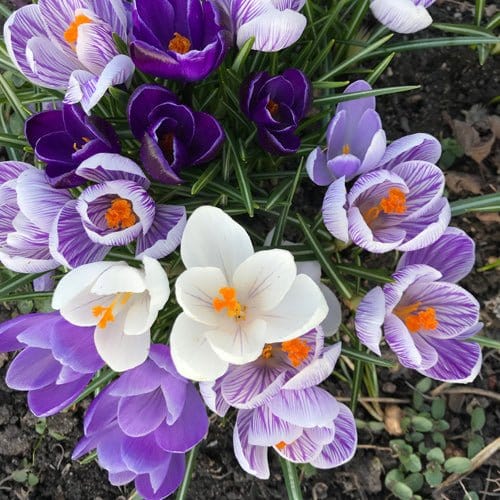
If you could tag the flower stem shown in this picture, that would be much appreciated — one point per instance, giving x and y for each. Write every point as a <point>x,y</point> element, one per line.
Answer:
<point>291,479</point>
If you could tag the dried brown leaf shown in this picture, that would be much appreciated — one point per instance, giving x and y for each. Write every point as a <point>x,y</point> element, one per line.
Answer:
<point>459,183</point>
<point>392,420</point>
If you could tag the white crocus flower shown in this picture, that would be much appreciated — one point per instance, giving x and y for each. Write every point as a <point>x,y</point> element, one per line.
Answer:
<point>402,16</point>
<point>121,301</point>
<point>235,301</point>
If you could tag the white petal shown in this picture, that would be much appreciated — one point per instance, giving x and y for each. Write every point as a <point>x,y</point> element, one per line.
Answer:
<point>401,16</point>
<point>334,317</point>
<point>156,283</point>
<point>119,279</point>
<point>211,238</point>
<point>264,278</point>
<point>137,315</point>
<point>192,355</point>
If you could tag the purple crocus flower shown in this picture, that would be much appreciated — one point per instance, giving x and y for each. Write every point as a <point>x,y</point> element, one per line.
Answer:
<point>143,423</point>
<point>402,16</point>
<point>355,140</point>
<point>275,24</point>
<point>398,209</point>
<point>24,240</point>
<point>68,45</point>
<point>172,135</point>
<point>177,39</point>
<point>63,138</point>
<point>427,320</point>
<point>276,104</point>
<point>115,211</point>
<point>56,362</point>
<point>281,406</point>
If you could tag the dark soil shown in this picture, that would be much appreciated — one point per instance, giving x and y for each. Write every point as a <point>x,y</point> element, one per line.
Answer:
<point>452,81</point>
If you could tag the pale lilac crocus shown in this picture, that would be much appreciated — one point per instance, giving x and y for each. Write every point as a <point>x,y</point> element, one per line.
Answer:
<point>425,316</point>
<point>355,140</point>
<point>403,16</point>
<point>398,209</point>
<point>275,24</point>
<point>55,363</point>
<point>69,46</point>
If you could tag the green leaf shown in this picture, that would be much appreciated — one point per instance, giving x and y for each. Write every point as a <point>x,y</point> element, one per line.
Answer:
<point>17,281</point>
<point>475,445</point>
<point>477,419</point>
<point>243,54</point>
<point>416,437</point>
<point>412,463</point>
<point>421,424</point>
<point>32,479</point>
<point>415,481</point>
<point>14,101</point>
<point>483,203</point>
<point>433,477</point>
<point>241,175</point>
<point>190,463</point>
<point>438,438</point>
<point>438,408</point>
<point>457,465</point>
<point>464,29</point>
<point>436,455</point>
<point>424,385</point>
<point>334,99</point>
<point>12,140</point>
<point>442,425</point>
<point>402,491</point>
<point>375,426</point>
<point>485,341</point>
<point>471,495</point>
<point>478,16</point>
<point>418,400</point>
<point>205,177</point>
<point>279,192</point>
<point>291,479</point>
<point>393,476</point>
<point>25,296</point>
<point>380,68</point>
<point>20,476</point>
<point>376,275</point>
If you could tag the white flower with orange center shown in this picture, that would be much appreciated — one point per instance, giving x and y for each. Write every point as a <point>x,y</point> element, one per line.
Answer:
<point>235,301</point>
<point>121,301</point>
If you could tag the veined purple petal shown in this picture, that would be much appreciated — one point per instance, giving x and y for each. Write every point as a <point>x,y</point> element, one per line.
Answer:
<point>369,319</point>
<point>95,46</point>
<point>401,342</point>
<point>142,454</point>
<point>304,449</point>
<point>212,396</point>
<point>401,16</point>
<point>334,213</point>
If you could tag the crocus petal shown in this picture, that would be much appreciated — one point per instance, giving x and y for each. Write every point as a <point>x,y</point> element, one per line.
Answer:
<point>370,318</point>
<point>317,169</point>
<point>142,455</point>
<point>172,479</point>
<point>333,319</point>
<point>10,329</point>
<point>334,213</point>
<point>401,16</point>
<point>302,450</point>
<point>401,342</point>
<point>267,429</point>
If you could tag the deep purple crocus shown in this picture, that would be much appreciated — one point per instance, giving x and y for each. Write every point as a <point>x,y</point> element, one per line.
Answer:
<point>276,104</point>
<point>63,138</point>
<point>177,39</point>
<point>355,140</point>
<point>425,316</point>
<point>143,423</point>
<point>172,135</point>
<point>398,209</point>
<point>55,363</point>
<point>282,407</point>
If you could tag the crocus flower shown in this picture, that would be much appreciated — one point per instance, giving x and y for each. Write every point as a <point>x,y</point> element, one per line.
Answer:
<point>426,322</point>
<point>276,104</point>
<point>69,46</point>
<point>143,423</point>
<point>177,39</point>
<point>25,226</point>
<point>172,135</point>
<point>275,24</point>
<point>121,303</point>
<point>115,211</point>
<point>55,363</point>
<point>398,209</point>
<point>355,140</point>
<point>402,16</point>
<point>63,138</point>
<point>234,300</point>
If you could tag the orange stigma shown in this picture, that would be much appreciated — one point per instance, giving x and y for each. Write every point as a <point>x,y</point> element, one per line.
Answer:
<point>267,352</point>
<point>179,44</point>
<point>416,320</point>
<point>71,34</point>
<point>120,214</point>
<point>394,203</point>
<point>297,350</point>
<point>280,445</point>
<point>346,149</point>
<point>273,108</point>
<point>76,147</point>
<point>234,308</point>
<point>106,313</point>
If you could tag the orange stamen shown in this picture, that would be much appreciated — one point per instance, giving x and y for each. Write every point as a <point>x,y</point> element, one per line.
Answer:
<point>394,203</point>
<point>179,44</point>
<point>297,350</point>
<point>71,34</point>
<point>346,149</point>
<point>416,320</point>
<point>267,352</point>
<point>76,147</point>
<point>107,313</point>
<point>120,215</point>
<point>280,445</point>
<point>273,108</point>
<point>234,308</point>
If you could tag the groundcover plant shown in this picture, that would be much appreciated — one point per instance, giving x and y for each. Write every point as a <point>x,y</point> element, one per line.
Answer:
<point>155,148</point>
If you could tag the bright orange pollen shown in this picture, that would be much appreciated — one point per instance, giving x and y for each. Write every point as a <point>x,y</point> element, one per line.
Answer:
<point>120,214</point>
<point>273,108</point>
<point>76,147</point>
<point>297,350</point>
<point>280,445</point>
<point>416,320</point>
<point>71,34</point>
<point>346,149</point>
<point>179,44</point>
<point>394,203</point>
<point>267,352</point>
<point>106,313</point>
<point>234,308</point>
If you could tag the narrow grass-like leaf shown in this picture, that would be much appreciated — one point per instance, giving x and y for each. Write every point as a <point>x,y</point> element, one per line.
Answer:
<point>367,358</point>
<point>330,85</point>
<point>279,193</point>
<point>12,140</point>
<point>17,281</point>
<point>485,341</point>
<point>240,170</point>
<point>206,176</point>
<point>25,296</point>
<point>324,260</point>
<point>14,101</point>
<point>104,377</point>
<point>478,14</point>
<point>464,29</point>
<point>190,463</point>
<point>356,383</point>
<point>291,479</point>
<point>4,11</point>
<point>366,93</point>
<point>483,203</point>
<point>243,54</point>
<point>377,275</point>
<point>320,58</point>
<point>380,68</point>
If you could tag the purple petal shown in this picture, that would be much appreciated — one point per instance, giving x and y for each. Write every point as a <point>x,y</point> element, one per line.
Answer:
<point>369,319</point>
<point>172,479</point>
<point>212,396</point>
<point>317,169</point>
<point>267,429</point>
<point>401,342</point>
<point>344,165</point>
<point>142,454</point>
<point>423,147</point>
<point>9,331</point>
<point>140,380</point>
<point>334,213</point>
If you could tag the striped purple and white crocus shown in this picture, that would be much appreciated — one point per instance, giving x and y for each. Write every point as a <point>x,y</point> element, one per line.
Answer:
<point>398,209</point>
<point>426,317</point>
<point>402,16</point>
<point>68,45</point>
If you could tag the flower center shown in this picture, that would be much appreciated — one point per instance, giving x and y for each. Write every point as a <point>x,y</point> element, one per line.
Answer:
<point>280,445</point>
<point>234,308</point>
<point>393,203</point>
<point>267,352</point>
<point>77,146</point>
<point>179,44</point>
<point>107,312</point>
<point>120,214</point>
<point>346,149</point>
<point>416,320</point>
<point>71,34</point>
<point>297,351</point>
<point>166,144</point>
<point>273,108</point>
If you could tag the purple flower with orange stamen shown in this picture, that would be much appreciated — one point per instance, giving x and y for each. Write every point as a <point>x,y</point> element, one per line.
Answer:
<point>276,104</point>
<point>398,209</point>
<point>425,316</point>
<point>172,135</point>
<point>64,138</point>
<point>69,46</point>
<point>177,39</point>
<point>115,211</point>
